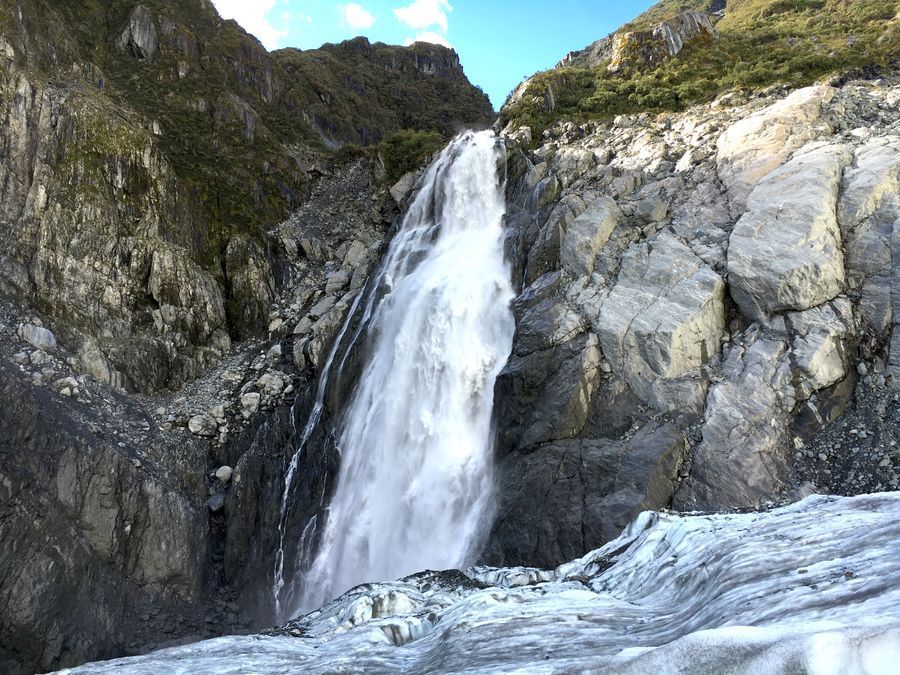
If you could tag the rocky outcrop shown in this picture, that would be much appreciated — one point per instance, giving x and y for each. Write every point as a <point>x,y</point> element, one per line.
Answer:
<point>148,148</point>
<point>785,253</point>
<point>644,49</point>
<point>363,92</point>
<point>725,269</point>
<point>96,530</point>
<point>648,49</point>
<point>757,144</point>
<point>139,38</point>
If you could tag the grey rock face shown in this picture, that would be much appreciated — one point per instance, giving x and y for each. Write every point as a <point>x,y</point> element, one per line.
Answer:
<point>587,234</point>
<point>744,457</point>
<point>569,496</point>
<point>139,38</point>
<point>755,145</point>
<point>869,213</point>
<point>785,203</point>
<point>251,287</point>
<point>664,317</point>
<point>785,253</point>
<point>79,516</point>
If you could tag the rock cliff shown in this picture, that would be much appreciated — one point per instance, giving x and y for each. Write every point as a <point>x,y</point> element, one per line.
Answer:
<point>695,307</point>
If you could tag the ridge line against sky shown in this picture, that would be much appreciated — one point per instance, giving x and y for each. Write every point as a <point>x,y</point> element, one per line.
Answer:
<point>500,43</point>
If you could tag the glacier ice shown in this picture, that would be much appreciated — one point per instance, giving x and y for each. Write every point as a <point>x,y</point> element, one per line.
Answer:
<point>811,587</point>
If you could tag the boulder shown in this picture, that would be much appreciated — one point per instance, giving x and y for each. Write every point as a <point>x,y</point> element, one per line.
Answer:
<point>250,403</point>
<point>94,362</point>
<point>819,349</point>
<point>401,190</point>
<point>271,384</point>
<point>223,474</point>
<point>664,317</point>
<point>753,146</point>
<point>785,252</point>
<point>38,337</point>
<point>203,425</point>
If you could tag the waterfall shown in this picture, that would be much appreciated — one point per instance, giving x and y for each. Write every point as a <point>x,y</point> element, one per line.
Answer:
<point>414,487</point>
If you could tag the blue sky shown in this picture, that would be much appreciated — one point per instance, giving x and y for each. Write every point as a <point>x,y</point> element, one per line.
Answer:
<point>499,42</point>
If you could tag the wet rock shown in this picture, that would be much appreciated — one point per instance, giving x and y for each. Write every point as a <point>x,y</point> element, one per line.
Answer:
<point>570,496</point>
<point>216,503</point>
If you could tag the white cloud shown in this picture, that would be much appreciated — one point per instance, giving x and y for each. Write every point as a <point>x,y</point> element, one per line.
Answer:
<point>253,18</point>
<point>355,16</point>
<point>422,14</point>
<point>430,36</point>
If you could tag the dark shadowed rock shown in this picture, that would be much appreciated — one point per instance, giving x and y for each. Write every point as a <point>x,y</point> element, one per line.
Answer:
<point>568,497</point>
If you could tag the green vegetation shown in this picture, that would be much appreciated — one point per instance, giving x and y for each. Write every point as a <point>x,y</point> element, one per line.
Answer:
<point>763,42</point>
<point>406,150</point>
<point>361,92</point>
<point>238,125</point>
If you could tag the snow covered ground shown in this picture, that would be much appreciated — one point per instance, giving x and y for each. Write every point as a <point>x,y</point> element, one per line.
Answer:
<point>812,587</point>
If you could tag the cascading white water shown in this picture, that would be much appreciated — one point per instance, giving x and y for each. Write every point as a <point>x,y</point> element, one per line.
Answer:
<point>414,488</point>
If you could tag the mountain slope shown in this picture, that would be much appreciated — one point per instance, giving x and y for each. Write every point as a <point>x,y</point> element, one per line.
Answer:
<point>759,43</point>
<point>148,147</point>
